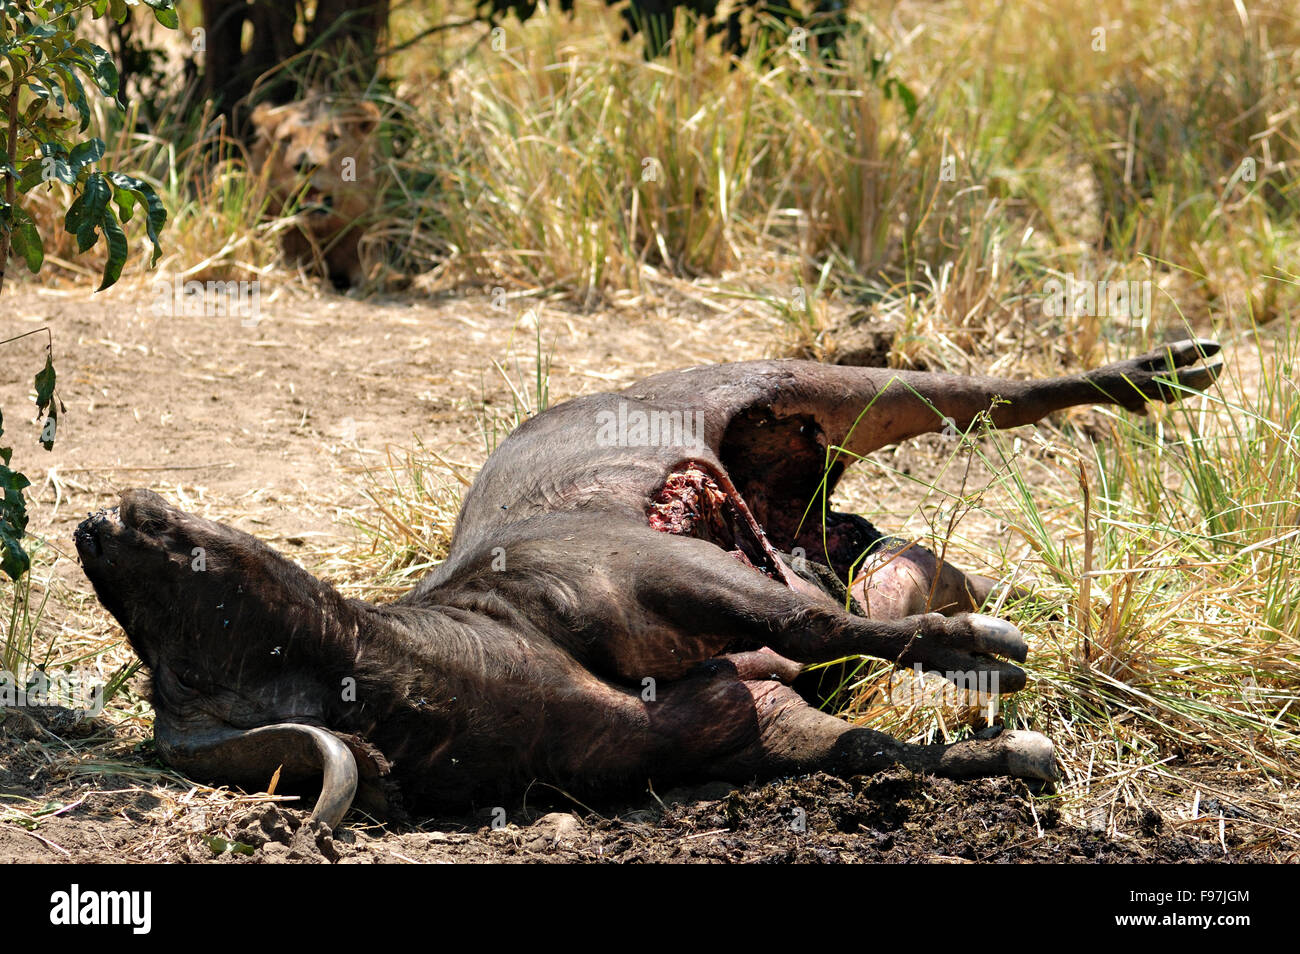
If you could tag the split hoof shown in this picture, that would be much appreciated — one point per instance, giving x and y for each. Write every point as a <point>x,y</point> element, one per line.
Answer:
<point>1029,755</point>
<point>1014,752</point>
<point>997,637</point>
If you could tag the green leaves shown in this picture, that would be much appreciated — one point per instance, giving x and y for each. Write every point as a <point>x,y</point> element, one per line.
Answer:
<point>45,402</point>
<point>86,214</point>
<point>117,249</point>
<point>84,153</point>
<point>55,162</point>
<point>33,818</point>
<point>13,516</point>
<point>27,241</point>
<point>44,64</point>
<point>14,561</point>
<point>98,62</point>
<point>164,13</point>
<point>74,92</point>
<point>45,55</point>
<point>91,215</point>
<point>126,189</point>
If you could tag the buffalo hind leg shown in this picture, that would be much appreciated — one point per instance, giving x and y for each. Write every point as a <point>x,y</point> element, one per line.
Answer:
<point>890,578</point>
<point>792,737</point>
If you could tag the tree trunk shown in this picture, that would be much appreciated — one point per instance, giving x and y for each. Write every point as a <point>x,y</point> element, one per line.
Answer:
<point>345,33</point>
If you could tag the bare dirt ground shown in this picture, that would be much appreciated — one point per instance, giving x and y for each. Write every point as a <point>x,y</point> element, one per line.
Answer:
<point>270,428</point>
<point>892,817</point>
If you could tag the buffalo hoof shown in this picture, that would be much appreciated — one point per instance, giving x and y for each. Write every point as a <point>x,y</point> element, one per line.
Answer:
<point>1029,755</point>
<point>1014,752</point>
<point>997,637</point>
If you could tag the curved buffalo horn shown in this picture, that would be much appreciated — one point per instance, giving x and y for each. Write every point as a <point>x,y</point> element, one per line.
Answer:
<point>253,755</point>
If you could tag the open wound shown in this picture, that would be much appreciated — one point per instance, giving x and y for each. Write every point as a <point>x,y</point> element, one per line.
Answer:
<point>695,501</point>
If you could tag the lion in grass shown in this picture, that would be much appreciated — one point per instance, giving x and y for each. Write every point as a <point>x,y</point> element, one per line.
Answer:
<point>318,156</point>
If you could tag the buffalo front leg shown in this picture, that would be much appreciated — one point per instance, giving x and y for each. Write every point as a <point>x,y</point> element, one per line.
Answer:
<point>699,589</point>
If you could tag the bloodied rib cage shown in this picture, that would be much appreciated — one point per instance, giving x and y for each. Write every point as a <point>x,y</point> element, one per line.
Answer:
<point>697,501</point>
<point>694,502</point>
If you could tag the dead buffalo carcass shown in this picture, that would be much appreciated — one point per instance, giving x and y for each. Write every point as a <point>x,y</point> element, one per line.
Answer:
<point>618,603</point>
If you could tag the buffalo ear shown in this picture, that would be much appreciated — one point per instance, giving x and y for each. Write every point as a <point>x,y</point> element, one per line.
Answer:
<point>253,756</point>
<point>377,792</point>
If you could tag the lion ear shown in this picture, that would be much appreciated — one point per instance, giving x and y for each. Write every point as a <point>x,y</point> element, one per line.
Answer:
<point>365,117</point>
<point>264,121</point>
